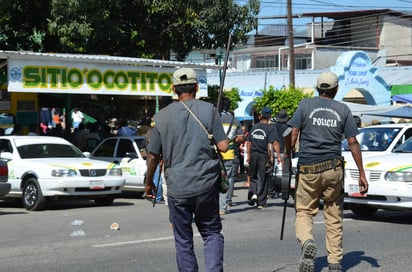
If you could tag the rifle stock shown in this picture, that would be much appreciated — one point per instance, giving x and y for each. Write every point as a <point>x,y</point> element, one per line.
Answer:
<point>286,174</point>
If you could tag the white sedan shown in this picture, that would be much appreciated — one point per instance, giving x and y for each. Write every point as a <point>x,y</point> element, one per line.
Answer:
<point>390,182</point>
<point>42,167</point>
<point>129,153</point>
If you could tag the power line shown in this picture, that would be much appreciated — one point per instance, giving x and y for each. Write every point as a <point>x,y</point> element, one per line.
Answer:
<point>367,39</point>
<point>313,5</point>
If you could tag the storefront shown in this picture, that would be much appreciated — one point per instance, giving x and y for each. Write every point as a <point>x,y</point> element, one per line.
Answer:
<point>38,82</point>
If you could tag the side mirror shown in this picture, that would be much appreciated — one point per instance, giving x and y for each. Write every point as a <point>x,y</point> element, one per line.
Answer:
<point>6,155</point>
<point>131,155</point>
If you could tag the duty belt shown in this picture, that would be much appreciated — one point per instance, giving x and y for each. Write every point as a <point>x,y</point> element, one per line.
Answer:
<point>320,167</point>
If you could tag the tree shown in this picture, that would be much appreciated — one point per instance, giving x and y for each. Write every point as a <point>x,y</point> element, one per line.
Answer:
<point>149,28</point>
<point>232,94</point>
<point>23,25</point>
<point>135,28</point>
<point>275,99</point>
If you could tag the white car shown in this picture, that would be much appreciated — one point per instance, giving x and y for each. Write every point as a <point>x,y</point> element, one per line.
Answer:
<point>379,139</point>
<point>390,182</point>
<point>374,140</point>
<point>129,153</point>
<point>42,167</point>
<point>4,173</point>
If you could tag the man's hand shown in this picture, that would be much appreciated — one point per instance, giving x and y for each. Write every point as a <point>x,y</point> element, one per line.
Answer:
<point>151,190</point>
<point>152,162</point>
<point>363,184</point>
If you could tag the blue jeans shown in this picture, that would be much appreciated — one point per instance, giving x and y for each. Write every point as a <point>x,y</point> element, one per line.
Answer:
<point>224,198</point>
<point>205,209</point>
<point>156,180</point>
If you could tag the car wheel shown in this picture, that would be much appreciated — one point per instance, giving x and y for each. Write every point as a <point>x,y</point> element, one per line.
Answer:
<point>33,199</point>
<point>362,210</point>
<point>104,201</point>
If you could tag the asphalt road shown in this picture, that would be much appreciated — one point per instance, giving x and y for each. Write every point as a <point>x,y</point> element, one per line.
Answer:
<point>76,236</point>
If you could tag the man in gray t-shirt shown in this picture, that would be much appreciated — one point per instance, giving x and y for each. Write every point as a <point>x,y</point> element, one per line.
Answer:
<point>320,123</point>
<point>191,171</point>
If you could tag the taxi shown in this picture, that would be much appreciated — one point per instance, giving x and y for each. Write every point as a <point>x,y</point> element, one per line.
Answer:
<point>46,167</point>
<point>129,153</point>
<point>390,182</point>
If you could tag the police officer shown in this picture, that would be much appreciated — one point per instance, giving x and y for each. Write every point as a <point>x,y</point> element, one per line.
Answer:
<point>321,123</point>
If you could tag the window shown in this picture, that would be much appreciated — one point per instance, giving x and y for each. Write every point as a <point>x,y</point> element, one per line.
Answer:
<point>266,61</point>
<point>303,61</point>
<point>48,151</point>
<point>106,149</point>
<point>124,147</point>
<point>5,146</point>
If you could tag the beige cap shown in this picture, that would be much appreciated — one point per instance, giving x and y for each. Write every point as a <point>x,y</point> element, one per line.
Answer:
<point>184,76</point>
<point>327,80</point>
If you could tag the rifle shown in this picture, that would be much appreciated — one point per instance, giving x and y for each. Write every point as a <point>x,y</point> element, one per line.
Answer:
<point>286,174</point>
<point>157,184</point>
<point>222,81</point>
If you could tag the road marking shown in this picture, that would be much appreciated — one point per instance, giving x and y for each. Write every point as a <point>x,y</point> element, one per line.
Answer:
<point>137,241</point>
<point>322,222</point>
<point>167,238</point>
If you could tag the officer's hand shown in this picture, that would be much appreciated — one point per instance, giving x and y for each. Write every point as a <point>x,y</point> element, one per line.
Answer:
<point>151,190</point>
<point>363,184</point>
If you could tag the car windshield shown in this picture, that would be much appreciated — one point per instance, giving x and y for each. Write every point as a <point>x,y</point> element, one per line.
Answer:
<point>374,138</point>
<point>406,147</point>
<point>45,150</point>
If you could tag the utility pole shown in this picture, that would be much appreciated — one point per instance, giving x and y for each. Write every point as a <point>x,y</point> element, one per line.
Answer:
<point>291,46</point>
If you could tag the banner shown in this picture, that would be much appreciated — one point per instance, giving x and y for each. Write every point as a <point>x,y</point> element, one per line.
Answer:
<point>69,77</point>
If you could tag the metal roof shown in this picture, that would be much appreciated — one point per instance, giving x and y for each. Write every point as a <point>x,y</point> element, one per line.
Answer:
<point>339,15</point>
<point>356,13</point>
<point>104,59</point>
<point>399,75</point>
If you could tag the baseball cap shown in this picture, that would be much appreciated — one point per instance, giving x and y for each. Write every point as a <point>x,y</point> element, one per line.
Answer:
<point>327,80</point>
<point>282,116</point>
<point>266,111</point>
<point>184,76</point>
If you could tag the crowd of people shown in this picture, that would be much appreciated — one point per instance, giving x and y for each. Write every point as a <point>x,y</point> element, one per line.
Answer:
<point>182,145</point>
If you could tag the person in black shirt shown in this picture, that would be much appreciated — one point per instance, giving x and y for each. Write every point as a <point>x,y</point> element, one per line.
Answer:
<point>280,126</point>
<point>261,142</point>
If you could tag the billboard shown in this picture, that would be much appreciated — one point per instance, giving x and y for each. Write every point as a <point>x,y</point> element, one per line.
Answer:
<point>71,77</point>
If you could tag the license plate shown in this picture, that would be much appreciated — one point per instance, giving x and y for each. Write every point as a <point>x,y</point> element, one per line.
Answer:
<point>354,191</point>
<point>96,185</point>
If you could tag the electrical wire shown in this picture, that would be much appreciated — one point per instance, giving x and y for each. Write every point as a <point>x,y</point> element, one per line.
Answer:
<point>354,27</point>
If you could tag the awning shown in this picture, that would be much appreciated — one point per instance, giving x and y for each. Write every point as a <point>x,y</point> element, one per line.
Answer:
<point>397,112</point>
<point>401,89</point>
<point>404,98</point>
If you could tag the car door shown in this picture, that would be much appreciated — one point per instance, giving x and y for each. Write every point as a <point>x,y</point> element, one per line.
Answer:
<point>132,163</point>
<point>6,147</point>
<point>106,150</point>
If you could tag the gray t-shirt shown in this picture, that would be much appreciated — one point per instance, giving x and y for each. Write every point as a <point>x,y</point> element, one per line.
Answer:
<point>322,123</point>
<point>190,162</point>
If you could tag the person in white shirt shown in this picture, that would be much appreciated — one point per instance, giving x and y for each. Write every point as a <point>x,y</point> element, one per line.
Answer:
<point>77,117</point>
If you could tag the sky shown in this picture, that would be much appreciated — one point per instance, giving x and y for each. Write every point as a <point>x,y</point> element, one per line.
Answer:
<point>273,8</point>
